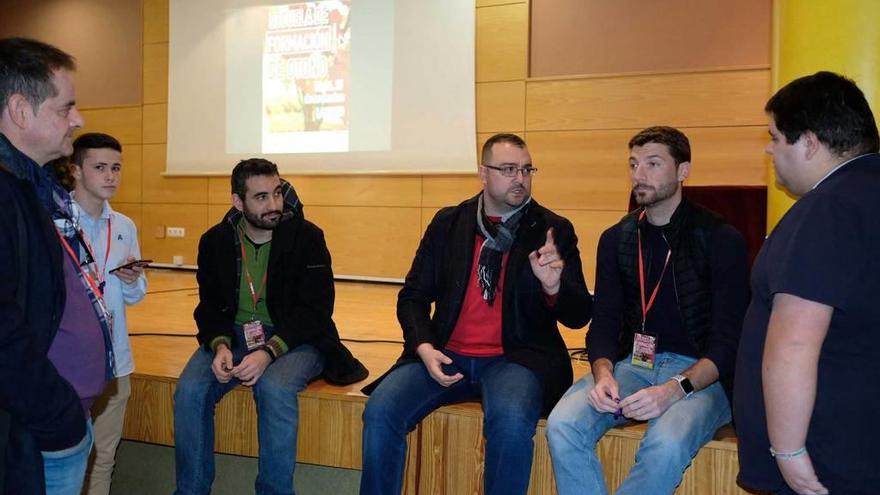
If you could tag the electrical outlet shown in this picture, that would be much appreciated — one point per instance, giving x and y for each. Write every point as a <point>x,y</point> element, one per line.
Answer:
<point>175,231</point>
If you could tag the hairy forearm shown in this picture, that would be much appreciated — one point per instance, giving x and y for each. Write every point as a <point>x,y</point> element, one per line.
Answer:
<point>702,374</point>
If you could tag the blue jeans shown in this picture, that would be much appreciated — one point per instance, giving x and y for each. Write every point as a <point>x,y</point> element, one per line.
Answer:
<point>65,470</point>
<point>512,398</point>
<point>197,394</point>
<point>669,445</point>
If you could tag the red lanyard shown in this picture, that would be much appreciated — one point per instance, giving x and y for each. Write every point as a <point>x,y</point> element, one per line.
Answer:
<point>255,295</point>
<point>88,276</point>
<point>646,306</point>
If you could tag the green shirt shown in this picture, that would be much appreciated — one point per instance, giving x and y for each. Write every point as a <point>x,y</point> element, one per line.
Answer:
<point>257,262</point>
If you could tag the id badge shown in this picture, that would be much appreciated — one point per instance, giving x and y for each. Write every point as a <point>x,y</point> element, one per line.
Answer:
<point>644,349</point>
<point>254,336</point>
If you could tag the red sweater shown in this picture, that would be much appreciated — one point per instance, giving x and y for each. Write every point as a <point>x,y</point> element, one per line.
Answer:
<point>478,329</point>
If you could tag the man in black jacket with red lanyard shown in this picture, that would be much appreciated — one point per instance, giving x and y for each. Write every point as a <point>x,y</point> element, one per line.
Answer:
<point>671,291</point>
<point>265,321</point>
<point>500,270</point>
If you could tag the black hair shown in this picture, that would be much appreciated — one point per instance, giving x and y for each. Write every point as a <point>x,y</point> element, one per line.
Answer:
<point>832,107</point>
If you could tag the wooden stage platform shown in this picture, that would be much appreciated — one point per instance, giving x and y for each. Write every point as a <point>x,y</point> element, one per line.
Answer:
<point>445,452</point>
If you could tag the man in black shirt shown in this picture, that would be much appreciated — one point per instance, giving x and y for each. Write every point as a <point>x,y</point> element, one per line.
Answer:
<point>671,291</point>
<point>806,376</point>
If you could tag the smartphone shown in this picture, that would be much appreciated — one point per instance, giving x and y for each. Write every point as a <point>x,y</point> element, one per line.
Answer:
<point>140,263</point>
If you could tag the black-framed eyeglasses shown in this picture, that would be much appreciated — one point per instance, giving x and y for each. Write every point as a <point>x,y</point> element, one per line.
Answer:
<point>511,170</point>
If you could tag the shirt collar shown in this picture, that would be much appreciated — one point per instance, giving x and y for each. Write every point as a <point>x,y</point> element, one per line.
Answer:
<point>106,211</point>
<point>838,167</point>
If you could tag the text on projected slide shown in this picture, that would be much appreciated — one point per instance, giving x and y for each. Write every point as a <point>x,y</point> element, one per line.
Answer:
<point>306,77</point>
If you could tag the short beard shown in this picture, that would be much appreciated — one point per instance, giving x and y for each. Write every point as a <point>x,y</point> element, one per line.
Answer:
<point>259,222</point>
<point>664,191</point>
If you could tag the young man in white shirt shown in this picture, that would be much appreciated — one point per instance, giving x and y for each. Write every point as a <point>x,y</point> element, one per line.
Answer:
<point>96,165</point>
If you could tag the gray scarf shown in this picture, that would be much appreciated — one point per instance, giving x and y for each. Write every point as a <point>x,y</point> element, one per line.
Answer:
<point>499,239</point>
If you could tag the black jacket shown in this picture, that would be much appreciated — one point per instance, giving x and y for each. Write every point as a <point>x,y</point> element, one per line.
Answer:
<point>440,273</point>
<point>42,408</point>
<point>299,290</point>
<point>710,269</point>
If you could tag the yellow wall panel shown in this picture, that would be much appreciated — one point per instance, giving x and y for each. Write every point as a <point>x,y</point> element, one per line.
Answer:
<point>369,240</point>
<point>156,123</point>
<point>123,123</point>
<point>156,21</point>
<point>502,42</point>
<point>501,106</point>
<point>581,170</point>
<point>156,218</point>
<point>357,190</point>
<point>721,98</point>
<point>159,189</point>
<point>451,190</point>
<point>130,185</point>
<point>589,225</point>
<point>156,73</point>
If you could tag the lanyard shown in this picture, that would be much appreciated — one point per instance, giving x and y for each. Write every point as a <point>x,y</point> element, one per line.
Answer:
<point>99,294</point>
<point>255,295</point>
<point>102,275</point>
<point>646,306</point>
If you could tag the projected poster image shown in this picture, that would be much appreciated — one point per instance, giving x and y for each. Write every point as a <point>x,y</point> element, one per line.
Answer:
<point>306,77</point>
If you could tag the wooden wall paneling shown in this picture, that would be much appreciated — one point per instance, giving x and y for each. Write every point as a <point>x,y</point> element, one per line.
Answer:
<point>449,190</point>
<point>581,170</point>
<point>156,73</point>
<point>502,42</point>
<point>123,123</point>
<point>501,106</point>
<point>589,225</point>
<point>130,187</point>
<point>452,452</point>
<point>357,190</point>
<point>720,98</point>
<point>220,190</point>
<point>427,216</point>
<point>725,465</point>
<point>149,416</point>
<point>602,37</point>
<point>542,481</point>
<point>330,431</point>
<point>216,213</point>
<point>156,21</point>
<point>157,217</point>
<point>728,155</point>
<point>235,424</point>
<point>134,212</point>
<point>160,189</point>
<point>489,3</point>
<point>616,453</point>
<point>369,240</point>
<point>156,123</point>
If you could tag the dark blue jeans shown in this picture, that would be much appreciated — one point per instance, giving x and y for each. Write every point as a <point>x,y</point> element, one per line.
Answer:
<point>198,391</point>
<point>511,395</point>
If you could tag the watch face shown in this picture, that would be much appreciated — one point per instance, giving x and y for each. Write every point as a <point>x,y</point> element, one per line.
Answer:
<point>686,386</point>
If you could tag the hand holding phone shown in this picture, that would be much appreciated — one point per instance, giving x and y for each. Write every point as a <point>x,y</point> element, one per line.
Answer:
<point>132,264</point>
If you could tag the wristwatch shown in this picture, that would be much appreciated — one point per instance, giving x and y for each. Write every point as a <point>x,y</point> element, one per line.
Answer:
<point>686,386</point>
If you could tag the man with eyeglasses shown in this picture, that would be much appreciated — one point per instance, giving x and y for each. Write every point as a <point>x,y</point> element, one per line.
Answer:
<point>500,270</point>
<point>671,293</point>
